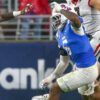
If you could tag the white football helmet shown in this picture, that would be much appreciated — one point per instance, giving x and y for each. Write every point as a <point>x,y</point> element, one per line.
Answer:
<point>58,19</point>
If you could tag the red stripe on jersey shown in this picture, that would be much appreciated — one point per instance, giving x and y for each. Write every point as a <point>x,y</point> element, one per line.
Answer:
<point>89,3</point>
<point>97,49</point>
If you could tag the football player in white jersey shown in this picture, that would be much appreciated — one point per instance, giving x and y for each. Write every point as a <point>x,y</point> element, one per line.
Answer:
<point>89,10</point>
<point>8,16</point>
<point>71,37</point>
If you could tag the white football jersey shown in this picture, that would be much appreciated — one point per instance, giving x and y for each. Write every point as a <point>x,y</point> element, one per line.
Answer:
<point>91,17</point>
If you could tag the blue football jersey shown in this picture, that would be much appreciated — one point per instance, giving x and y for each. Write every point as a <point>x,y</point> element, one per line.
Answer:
<point>77,46</point>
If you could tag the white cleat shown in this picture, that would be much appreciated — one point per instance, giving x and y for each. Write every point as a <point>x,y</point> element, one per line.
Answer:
<point>37,98</point>
<point>41,97</point>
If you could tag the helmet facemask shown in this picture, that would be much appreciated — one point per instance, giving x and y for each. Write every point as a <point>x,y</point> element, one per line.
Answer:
<point>58,21</point>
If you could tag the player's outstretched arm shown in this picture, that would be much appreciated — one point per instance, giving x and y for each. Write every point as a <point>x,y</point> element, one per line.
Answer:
<point>95,4</point>
<point>13,14</point>
<point>62,65</point>
<point>75,21</point>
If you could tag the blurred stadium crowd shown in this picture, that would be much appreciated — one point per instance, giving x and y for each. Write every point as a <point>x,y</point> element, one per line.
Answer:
<point>35,25</point>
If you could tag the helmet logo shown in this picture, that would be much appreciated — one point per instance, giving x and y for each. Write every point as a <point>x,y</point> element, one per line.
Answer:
<point>65,7</point>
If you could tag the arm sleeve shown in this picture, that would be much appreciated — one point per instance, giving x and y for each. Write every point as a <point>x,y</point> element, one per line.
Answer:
<point>61,67</point>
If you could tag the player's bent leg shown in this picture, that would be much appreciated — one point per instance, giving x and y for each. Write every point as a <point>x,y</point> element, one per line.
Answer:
<point>84,97</point>
<point>72,81</point>
<point>55,92</point>
<point>78,78</point>
<point>87,90</point>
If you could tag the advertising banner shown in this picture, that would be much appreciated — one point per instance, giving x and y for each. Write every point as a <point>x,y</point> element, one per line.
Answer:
<point>23,66</point>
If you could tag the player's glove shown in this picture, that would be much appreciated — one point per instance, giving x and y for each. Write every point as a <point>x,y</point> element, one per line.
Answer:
<point>26,9</point>
<point>56,7</point>
<point>43,86</point>
<point>46,81</point>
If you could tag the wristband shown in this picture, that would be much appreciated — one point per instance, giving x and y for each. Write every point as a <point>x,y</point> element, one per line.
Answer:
<point>16,13</point>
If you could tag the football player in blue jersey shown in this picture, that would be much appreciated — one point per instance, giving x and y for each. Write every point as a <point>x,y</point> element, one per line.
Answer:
<point>74,45</point>
<point>8,16</point>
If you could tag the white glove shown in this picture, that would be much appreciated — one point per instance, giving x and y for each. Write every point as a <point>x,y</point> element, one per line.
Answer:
<point>56,7</point>
<point>44,83</point>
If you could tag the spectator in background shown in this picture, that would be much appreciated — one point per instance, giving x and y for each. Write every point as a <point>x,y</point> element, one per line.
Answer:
<point>25,21</point>
<point>40,7</point>
<point>8,16</point>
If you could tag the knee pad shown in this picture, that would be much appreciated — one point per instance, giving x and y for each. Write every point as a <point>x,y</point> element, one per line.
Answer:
<point>87,89</point>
